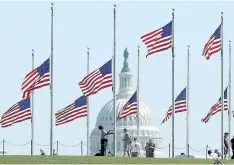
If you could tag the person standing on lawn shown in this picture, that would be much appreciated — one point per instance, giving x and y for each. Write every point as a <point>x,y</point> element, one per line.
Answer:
<point>135,148</point>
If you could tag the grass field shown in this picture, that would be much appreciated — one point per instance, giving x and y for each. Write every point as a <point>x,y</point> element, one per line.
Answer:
<point>100,160</point>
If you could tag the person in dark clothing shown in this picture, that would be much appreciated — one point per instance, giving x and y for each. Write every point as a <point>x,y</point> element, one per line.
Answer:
<point>103,140</point>
<point>147,149</point>
<point>232,143</point>
<point>98,154</point>
<point>54,153</point>
<point>151,148</point>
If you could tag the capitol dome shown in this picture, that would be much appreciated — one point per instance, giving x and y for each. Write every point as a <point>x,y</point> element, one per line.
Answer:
<point>148,129</point>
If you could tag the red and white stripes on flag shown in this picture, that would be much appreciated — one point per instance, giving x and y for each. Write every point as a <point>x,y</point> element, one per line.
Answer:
<point>37,78</point>
<point>129,108</point>
<point>97,80</point>
<point>217,107</point>
<point>19,112</point>
<point>180,105</point>
<point>158,40</point>
<point>213,45</point>
<point>73,111</point>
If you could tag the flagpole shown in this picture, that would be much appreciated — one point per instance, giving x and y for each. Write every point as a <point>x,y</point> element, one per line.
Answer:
<point>32,109</point>
<point>138,92</point>
<point>88,105</point>
<point>188,71</point>
<point>222,85</point>
<point>229,99</point>
<point>114,96</point>
<point>51,84</point>
<point>173,102</point>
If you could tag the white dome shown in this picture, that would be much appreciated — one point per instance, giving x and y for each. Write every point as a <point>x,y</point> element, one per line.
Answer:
<point>148,129</point>
<point>147,118</point>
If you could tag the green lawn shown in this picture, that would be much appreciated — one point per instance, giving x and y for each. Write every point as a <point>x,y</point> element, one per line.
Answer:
<point>99,160</point>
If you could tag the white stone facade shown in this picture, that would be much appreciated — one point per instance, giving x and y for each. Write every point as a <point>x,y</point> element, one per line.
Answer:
<point>148,128</point>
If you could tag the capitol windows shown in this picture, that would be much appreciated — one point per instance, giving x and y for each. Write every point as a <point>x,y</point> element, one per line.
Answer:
<point>125,120</point>
<point>130,119</point>
<point>110,118</point>
<point>130,82</point>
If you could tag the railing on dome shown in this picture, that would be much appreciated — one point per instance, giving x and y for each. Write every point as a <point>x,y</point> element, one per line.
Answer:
<point>79,147</point>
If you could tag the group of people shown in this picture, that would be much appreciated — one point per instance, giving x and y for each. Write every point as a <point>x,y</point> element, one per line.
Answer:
<point>227,146</point>
<point>134,147</point>
<point>131,146</point>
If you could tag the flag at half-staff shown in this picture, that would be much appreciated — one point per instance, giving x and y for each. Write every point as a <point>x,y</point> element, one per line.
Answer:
<point>19,112</point>
<point>180,105</point>
<point>97,80</point>
<point>213,45</point>
<point>217,108</point>
<point>73,111</point>
<point>37,78</point>
<point>158,40</point>
<point>129,108</point>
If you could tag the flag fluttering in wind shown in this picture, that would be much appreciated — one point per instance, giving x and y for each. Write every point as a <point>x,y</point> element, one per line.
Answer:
<point>19,112</point>
<point>158,40</point>
<point>217,107</point>
<point>213,45</point>
<point>180,105</point>
<point>97,80</point>
<point>37,78</point>
<point>73,111</point>
<point>129,108</point>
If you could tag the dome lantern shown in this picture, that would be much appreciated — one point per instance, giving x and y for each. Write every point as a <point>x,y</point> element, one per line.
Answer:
<point>125,79</point>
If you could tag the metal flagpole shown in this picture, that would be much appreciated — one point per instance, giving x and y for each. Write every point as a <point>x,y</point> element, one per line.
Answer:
<point>229,97</point>
<point>32,109</point>
<point>138,92</point>
<point>51,83</point>
<point>187,135</point>
<point>173,102</point>
<point>114,96</point>
<point>88,105</point>
<point>222,138</point>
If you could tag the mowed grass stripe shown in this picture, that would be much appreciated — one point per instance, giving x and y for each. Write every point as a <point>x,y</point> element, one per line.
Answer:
<point>100,160</point>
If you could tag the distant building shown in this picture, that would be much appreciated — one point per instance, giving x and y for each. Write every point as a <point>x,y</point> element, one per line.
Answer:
<point>148,128</point>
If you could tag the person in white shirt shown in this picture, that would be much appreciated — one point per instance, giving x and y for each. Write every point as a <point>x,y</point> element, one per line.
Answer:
<point>135,148</point>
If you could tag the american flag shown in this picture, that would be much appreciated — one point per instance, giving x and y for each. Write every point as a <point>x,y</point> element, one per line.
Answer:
<point>217,107</point>
<point>73,111</point>
<point>37,78</point>
<point>213,45</point>
<point>129,108</point>
<point>19,112</point>
<point>180,105</point>
<point>97,80</point>
<point>158,40</point>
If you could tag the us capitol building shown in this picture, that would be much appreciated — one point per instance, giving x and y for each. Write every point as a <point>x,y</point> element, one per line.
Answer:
<point>148,128</point>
